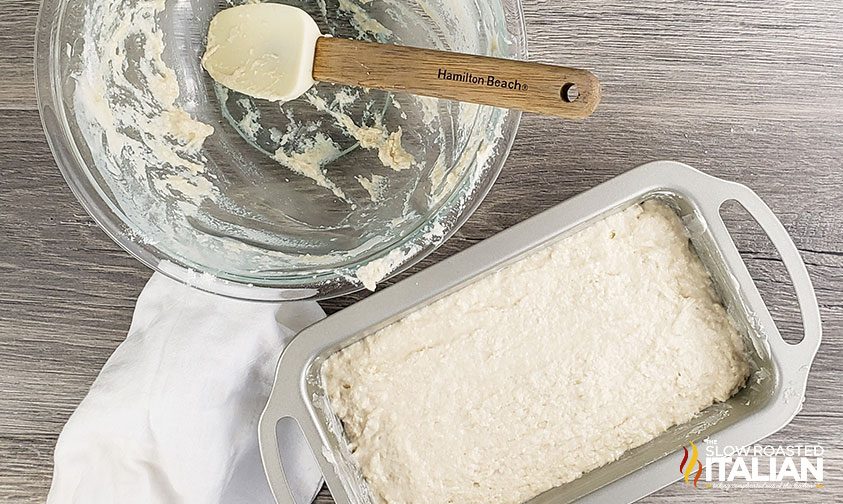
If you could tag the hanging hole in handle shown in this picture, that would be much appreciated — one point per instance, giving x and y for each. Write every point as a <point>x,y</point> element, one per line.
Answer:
<point>767,269</point>
<point>569,92</point>
<point>304,478</point>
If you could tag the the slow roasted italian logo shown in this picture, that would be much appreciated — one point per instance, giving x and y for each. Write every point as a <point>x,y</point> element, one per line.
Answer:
<point>691,461</point>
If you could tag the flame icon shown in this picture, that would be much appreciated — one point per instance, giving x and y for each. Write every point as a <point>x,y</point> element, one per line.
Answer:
<point>686,467</point>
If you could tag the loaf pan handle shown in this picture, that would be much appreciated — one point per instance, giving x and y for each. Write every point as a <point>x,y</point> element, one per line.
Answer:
<point>279,483</point>
<point>764,216</point>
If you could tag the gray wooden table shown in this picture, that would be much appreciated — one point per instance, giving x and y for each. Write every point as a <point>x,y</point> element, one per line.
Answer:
<point>747,90</point>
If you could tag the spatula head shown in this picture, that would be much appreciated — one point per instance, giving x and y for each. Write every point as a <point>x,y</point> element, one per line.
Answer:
<point>262,50</point>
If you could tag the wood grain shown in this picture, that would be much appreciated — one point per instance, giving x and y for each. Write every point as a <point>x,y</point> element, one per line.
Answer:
<point>17,44</point>
<point>748,91</point>
<point>521,85</point>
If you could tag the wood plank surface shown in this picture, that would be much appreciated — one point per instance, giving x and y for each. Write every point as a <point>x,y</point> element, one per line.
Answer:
<point>749,91</point>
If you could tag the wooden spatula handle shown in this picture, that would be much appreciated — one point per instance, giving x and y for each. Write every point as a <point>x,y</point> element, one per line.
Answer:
<point>532,87</point>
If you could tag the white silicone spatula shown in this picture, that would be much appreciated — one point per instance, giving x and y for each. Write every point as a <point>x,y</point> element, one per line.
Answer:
<point>276,52</point>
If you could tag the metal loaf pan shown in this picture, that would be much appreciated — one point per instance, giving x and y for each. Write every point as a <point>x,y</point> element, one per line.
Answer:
<point>771,398</point>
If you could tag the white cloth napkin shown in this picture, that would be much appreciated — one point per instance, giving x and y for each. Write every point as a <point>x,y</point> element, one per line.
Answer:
<point>172,417</point>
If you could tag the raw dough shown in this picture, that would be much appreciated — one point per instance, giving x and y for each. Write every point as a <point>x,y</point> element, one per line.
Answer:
<point>543,371</point>
<point>129,109</point>
<point>391,151</point>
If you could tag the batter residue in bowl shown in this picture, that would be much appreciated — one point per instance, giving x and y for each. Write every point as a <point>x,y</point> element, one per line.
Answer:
<point>188,163</point>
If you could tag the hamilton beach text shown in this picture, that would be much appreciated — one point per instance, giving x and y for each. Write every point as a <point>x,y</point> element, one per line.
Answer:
<point>488,80</point>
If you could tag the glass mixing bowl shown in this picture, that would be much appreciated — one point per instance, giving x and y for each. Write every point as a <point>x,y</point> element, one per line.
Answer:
<point>308,199</point>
